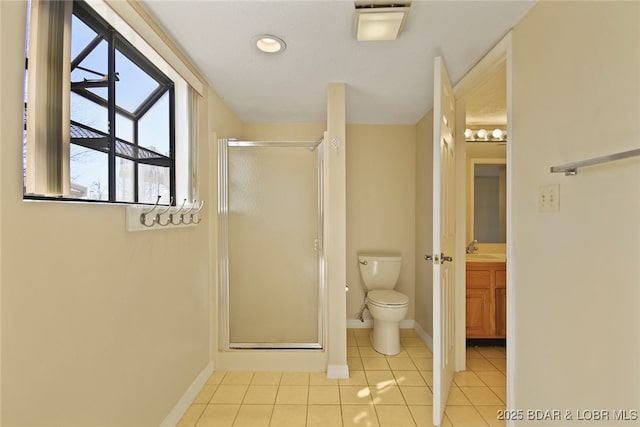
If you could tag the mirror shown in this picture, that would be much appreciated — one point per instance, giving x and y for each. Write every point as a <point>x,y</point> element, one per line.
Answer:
<point>489,200</point>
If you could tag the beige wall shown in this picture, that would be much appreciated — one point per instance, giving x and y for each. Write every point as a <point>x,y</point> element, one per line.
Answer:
<point>575,276</point>
<point>100,326</point>
<point>380,203</point>
<point>105,327</point>
<point>284,132</point>
<point>222,121</point>
<point>423,223</point>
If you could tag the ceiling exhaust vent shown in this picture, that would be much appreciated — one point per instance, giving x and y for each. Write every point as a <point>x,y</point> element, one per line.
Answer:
<point>379,21</point>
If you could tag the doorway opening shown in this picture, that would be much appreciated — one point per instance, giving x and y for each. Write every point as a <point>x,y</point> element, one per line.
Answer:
<point>483,99</point>
<point>486,139</point>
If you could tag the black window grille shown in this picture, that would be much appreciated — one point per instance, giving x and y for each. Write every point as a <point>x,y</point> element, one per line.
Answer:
<point>122,111</point>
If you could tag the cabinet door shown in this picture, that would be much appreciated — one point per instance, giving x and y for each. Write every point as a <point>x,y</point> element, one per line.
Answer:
<point>479,278</point>
<point>501,304</point>
<point>478,313</point>
<point>501,278</point>
<point>501,312</point>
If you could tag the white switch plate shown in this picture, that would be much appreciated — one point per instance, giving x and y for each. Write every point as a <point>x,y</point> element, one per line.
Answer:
<point>549,198</point>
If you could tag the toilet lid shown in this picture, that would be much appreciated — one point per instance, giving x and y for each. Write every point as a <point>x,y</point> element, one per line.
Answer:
<point>388,297</point>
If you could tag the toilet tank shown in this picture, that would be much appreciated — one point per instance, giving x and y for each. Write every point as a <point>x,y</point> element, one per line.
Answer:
<point>379,271</point>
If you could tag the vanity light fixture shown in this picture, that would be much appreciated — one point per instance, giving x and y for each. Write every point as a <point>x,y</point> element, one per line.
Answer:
<point>379,21</point>
<point>269,44</point>
<point>482,135</point>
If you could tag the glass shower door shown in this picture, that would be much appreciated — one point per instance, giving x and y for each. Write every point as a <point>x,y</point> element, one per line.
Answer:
<point>273,239</point>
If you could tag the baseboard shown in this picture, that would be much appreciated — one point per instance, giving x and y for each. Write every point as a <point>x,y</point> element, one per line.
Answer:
<point>407,324</point>
<point>368,324</point>
<point>187,398</point>
<point>424,336</point>
<point>338,371</point>
<point>357,324</point>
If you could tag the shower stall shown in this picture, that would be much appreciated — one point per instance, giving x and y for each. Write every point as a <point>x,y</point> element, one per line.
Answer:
<point>271,281</point>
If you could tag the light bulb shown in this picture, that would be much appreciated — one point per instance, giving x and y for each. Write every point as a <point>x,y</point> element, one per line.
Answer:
<point>270,44</point>
<point>482,134</point>
<point>496,134</point>
<point>468,134</point>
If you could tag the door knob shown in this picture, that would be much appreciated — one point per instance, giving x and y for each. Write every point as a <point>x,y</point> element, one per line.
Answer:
<point>435,259</point>
<point>445,258</point>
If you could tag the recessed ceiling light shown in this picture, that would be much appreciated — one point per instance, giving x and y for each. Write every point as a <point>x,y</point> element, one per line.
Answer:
<point>270,44</point>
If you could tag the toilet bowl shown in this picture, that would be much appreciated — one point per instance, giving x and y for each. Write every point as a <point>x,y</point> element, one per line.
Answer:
<point>387,307</point>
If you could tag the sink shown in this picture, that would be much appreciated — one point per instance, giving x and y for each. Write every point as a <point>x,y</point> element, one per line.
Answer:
<point>486,257</point>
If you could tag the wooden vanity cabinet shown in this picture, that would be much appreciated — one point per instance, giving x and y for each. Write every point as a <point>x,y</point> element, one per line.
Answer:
<point>486,300</point>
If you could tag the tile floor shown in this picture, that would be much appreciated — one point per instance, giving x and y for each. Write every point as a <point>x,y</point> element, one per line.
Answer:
<point>381,391</point>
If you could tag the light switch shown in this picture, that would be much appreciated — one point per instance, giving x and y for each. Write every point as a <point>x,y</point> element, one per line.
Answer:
<point>549,198</point>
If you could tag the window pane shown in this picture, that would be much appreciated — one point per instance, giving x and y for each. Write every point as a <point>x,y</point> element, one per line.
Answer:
<point>153,127</point>
<point>124,180</point>
<point>89,113</point>
<point>81,35</point>
<point>97,63</point>
<point>153,181</point>
<point>124,128</point>
<point>133,86</point>
<point>89,173</point>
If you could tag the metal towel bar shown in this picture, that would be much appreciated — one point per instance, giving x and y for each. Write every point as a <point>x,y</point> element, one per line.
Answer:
<point>572,168</point>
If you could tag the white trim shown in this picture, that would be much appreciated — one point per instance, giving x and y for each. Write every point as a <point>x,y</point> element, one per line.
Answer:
<point>212,225</point>
<point>511,268</point>
<point>338,371</point>
<point>407,324</point>
<point>368,324</point>
<point>187,398</point>
<point>424,336</point>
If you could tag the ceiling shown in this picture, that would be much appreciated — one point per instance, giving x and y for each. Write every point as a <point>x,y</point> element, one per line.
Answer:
<point>487,104</point>
<point>388,82</point>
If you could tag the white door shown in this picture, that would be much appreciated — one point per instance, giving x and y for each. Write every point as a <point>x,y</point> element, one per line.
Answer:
<point>443,239</point>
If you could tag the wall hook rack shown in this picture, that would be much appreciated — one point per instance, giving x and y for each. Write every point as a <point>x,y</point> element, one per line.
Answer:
<point>140,218</point>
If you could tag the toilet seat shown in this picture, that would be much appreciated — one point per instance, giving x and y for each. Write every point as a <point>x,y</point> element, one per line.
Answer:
<point>388,298</point>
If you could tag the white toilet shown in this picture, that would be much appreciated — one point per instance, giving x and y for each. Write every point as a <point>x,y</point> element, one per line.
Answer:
<point>387,307</point>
